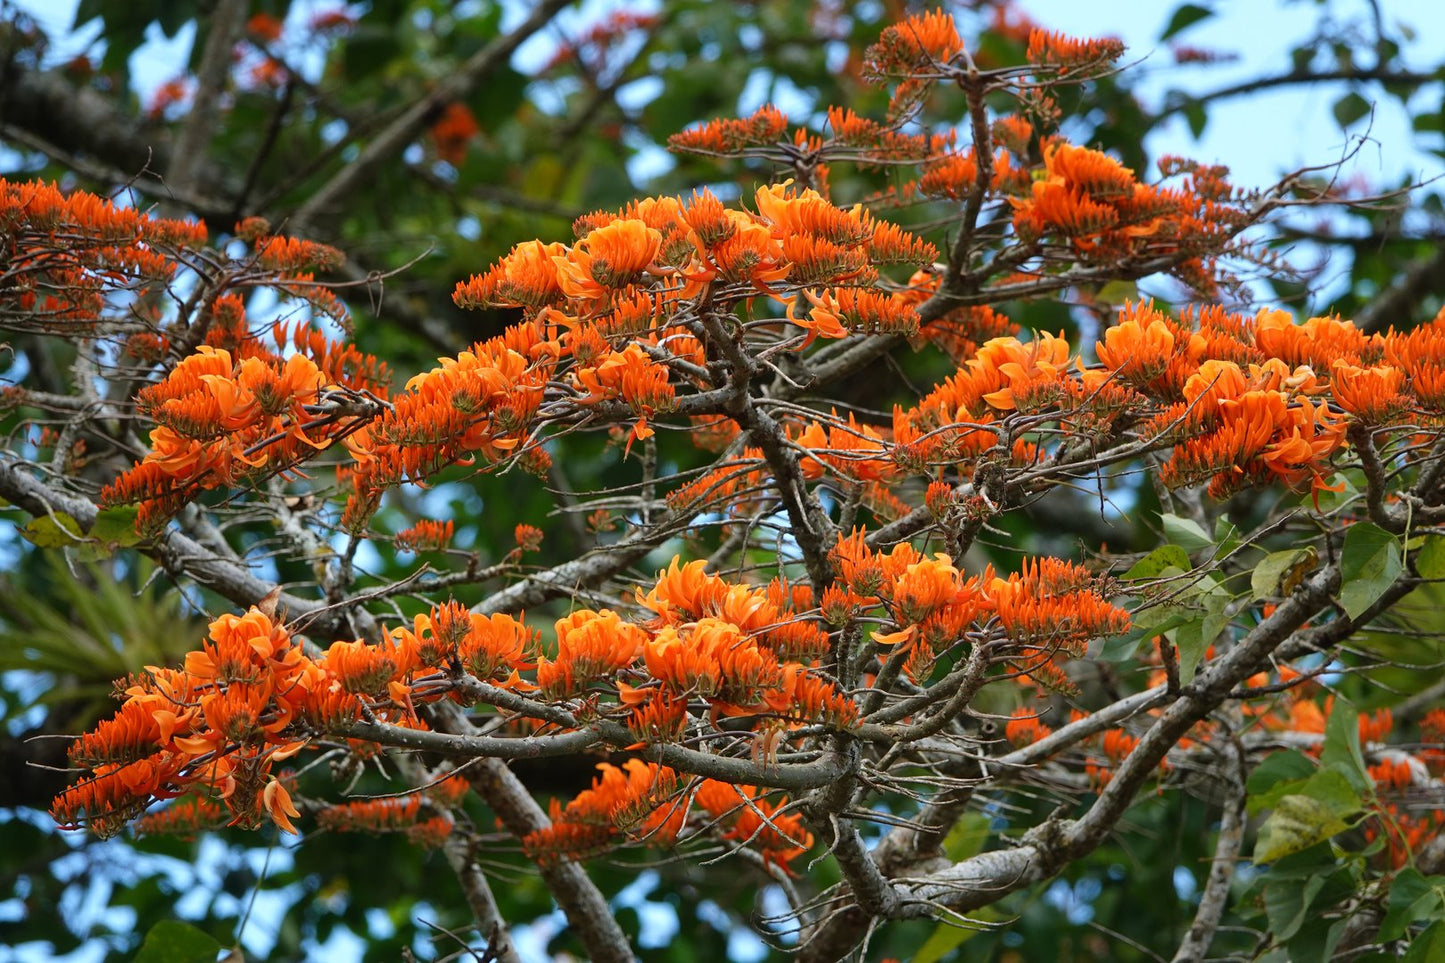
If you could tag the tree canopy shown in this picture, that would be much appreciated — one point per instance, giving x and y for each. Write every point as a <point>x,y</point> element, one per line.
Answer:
<point>483,487</point>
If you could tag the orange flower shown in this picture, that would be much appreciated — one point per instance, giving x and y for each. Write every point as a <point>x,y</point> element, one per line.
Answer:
<point>453,130</point>
<point>264,27</point>
<point>527,277</point>
<point>1024,727</point>
<point>924,587</point>
<point>590,646</point>
<point>278,804</point>
<point>1370,394</point>
<point>915,44</point>
<point>425,535</point>
<point>607,259</point>
<point>727,135</point>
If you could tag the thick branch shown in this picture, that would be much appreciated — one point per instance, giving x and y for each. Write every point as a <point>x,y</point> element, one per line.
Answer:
<point>576,895</point>
<point>185,170</point>
<point>1215,898</point>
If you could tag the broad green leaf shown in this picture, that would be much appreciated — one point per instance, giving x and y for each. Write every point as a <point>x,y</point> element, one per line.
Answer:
<point>53,531</point>
<point>1186,16</point>
<point>1159,619</point>
<point>1430,561</point>
<point>1342,753</point>
<point>1279,774</point>
<point>1414,898</point>
<point>116,526</point>
<point>1370,563</point>
<point>171,941</point>
<point>1156,562</point>
<point>1287,903</point>
<point>1193,639</point>
<point>1297,823</point>
<point>1317,943</point>
<point>1185,532</point>
<point>1270,575</point>
<point>1428,947</point>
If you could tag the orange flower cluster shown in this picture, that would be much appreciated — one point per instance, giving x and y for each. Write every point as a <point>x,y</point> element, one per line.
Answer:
<point>640,800</point>
<point>222,417</point>
<point>453,131</point>
<point>1024,727</point>
<point>1049,610</point>
<point>727,136</point>
<point>62,287</point>
<point>248,698</point>
<point>1096,203</point>
<point>645,802</point>
<point>425,536</point>
<point>481,402</point>
<point>218,725</point>
<point>412,814</point>
<point>742,815</point>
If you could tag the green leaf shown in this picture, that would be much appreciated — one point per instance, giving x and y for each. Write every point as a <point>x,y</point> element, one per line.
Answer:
<point>1269,575</point>
<point>1185,532</point>
<point>1185,17</point>
<point>1156,562</point>
<point>1197,118</point>
<point>1226,536</point>
<point>1370,562</point>
<point>1414,898</point>
<point>1350,108</point>
<point>171,941</point>
<point>1194,638</point>
<point>1287,903</point>
<point>1430,560</point>
<point>1342,753</point>
<point>944,939</point>
<point>116,526</point>
<point>947,937</point>
<point>57,530</point>
<point>1279,774</point>
<point>1428,947</point>
<point>1297,823</point>
<point>967,837</point>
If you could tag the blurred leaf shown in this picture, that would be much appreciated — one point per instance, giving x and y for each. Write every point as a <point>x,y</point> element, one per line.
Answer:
<point>1428,947</point>
<point>967,837</point>
<point>57,530</point>
<point>1351,108</point>
<point>171,941</point>
<point>1430,561</point>
<point>1197,117</point>
<point>1342,752</point>
<point>1185,17</point>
